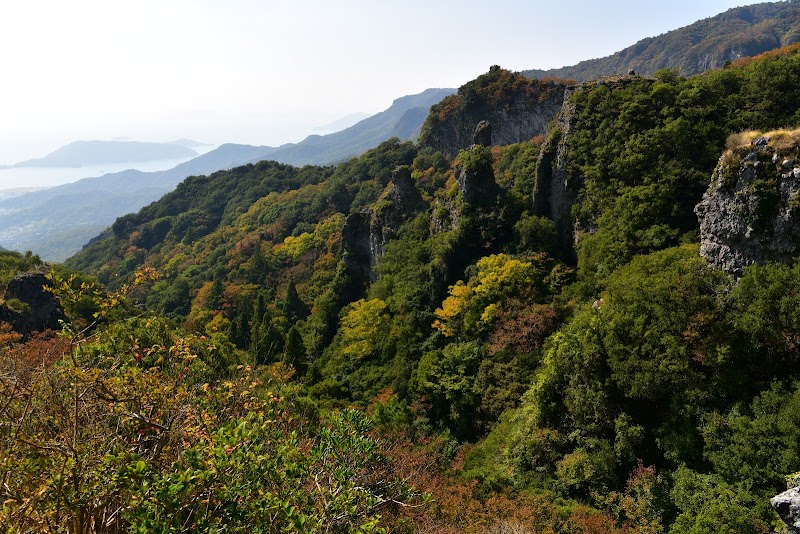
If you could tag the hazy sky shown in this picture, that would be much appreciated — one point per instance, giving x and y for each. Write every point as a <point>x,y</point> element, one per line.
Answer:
<point>269,71</point>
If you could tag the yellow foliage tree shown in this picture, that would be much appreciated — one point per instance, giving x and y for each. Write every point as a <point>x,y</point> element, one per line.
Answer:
<point>473,306</point>
<point>363,328</point>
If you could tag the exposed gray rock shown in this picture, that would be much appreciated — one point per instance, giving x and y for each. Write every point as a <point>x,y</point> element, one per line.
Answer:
<point>356,245</point>
<point>366,233</point>
<point>787,505</point>
<point>750,212</point>
<point>525,109</point>
<point>445,216</point>
<point>483,134</point>
<point>556,191</point>
<point>399,201</point>
<point>476,188</point>
<point>557,182</point>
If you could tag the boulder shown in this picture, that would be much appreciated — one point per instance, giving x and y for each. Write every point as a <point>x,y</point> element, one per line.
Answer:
<point>787,505</point>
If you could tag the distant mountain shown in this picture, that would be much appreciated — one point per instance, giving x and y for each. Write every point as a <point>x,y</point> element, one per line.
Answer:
<point>55,223</point>
<point>706,44</point>
<point>84,153</point>
<point>188,143</point>
<point>58,222</point>
<point>18,191</point>
<point>403,119</point>
<point>340,124</point>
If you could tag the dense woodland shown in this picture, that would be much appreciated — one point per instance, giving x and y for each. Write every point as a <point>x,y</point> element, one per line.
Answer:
<point>230,363</point>
<point>706,44</point>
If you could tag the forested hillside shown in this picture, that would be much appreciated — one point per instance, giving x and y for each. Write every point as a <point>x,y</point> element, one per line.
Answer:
<point>59,221</point>
<point>524,336</point>
<point>706,44</point>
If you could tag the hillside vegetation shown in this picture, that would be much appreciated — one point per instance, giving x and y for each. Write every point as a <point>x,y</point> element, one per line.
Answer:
<point>608,365</point>
<point>58,222</point>
<point>520,338</point>
<point>706,44</point>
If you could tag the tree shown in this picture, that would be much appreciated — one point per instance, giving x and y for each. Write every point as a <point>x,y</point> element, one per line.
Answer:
<point>294,350</point>
<point>363,329</point>
<point>293,307</point>
<point>214,297</point>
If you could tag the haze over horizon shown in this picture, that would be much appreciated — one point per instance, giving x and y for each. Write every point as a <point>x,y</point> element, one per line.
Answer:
<point>268,73</point>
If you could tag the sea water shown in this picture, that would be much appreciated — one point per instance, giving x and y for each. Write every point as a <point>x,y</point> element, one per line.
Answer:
<point>42,177</point>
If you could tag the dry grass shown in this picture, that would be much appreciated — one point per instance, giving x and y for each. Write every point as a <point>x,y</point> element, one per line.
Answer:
<point>781,139</point>
<point>740,139</point>
<point>784,139</point>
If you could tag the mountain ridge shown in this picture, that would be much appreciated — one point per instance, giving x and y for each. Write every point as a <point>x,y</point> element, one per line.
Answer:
<point>531,327</point>
<point>58,221</point>
<point>739,32</point>
<point>368,133</point>
<point>85,153</point>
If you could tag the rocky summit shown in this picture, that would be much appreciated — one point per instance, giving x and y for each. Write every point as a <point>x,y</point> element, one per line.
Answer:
<point>517,109</point>
<point>750,212</point>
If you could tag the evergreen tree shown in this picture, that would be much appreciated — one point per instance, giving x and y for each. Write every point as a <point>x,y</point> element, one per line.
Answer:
<point>294,350</point>
<point>293,307</point>
<point>259,310</point>
<point>240,327</point>
<point>214,299</point>
<point>267,340</point>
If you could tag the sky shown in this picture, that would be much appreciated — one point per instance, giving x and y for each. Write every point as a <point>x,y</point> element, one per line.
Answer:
<point>267,72</point>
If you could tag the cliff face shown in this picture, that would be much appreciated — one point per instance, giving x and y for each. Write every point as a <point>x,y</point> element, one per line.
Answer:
<point>366,233</point>
<point>475,183</point>
<point>751,211</point>
<point>517,108</point>
<point>555,190</point>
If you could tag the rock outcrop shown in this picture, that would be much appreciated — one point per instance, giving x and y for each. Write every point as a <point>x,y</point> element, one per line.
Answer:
<point>787,505</point>
<point>475,184</point>
<point>41,309</point>
<point>517,108</point>
<point>751,211</point>
<point>366,233</point>
<point>483,134</point>
<point>555,190</point>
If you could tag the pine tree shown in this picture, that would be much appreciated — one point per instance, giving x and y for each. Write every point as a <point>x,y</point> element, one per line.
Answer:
<point>267,340</point>
<point>293,306</point>
<point>294,350</point>
<point>214,299</point>
<point>240,328</point>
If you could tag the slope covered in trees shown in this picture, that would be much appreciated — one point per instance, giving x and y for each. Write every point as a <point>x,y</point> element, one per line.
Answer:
<point>601,379</point>
<point>706,44</point>
<point>58,222</point>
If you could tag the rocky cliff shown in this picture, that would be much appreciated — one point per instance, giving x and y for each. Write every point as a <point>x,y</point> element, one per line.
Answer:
<point>475,183</point>
<point>751,211</point>
<point>366,233</point>
<point>517,108</point>
<point>787,505</point>
<point>555,191</point>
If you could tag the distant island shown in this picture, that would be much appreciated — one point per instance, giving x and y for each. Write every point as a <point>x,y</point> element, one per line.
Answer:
<point>85,153</point>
